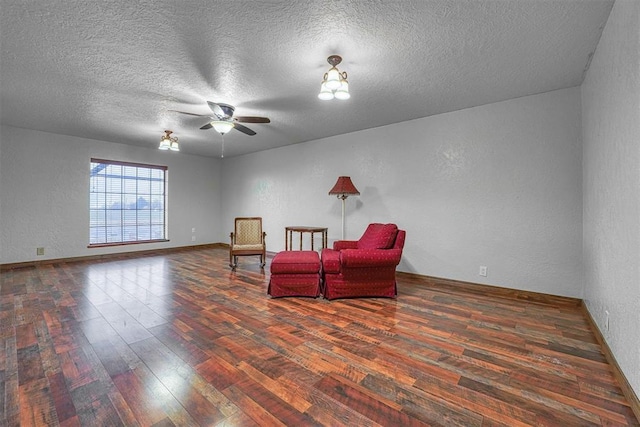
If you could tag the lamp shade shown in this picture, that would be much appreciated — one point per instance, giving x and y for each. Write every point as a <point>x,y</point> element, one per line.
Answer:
<point>343,91</point>
<point>222,127</point>
<point>344,186</point>
<point>325,94</point>
<point>333,79</point>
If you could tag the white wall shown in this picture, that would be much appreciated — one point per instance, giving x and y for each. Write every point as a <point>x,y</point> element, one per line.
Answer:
<point>497,185</point>
<point>611,135</point>
<point>45,193</point>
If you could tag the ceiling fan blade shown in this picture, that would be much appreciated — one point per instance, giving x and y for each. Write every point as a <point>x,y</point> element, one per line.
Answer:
<point>191,114</point>
<point>250,119</point>
<point>207,126</point>
<point>244,129</point>
<point>217,110</point>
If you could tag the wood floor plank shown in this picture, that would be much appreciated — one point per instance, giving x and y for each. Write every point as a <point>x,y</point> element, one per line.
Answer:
<point>179,379</point>
<point>608,412</point>
<point>490,408</point>
<point>378,409</point>
<point>65,408</point>
<point>26,335</point>
<point>251,408</point>
<point>179,344</point>
<point>545,414</point>
<point>146,409</point>
<point>282,390</point>
<point>29,364</point>
<point>36,403</point>
<point>179,339</point>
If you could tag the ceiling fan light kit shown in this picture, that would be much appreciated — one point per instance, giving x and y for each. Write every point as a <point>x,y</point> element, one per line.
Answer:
<point>334,84</point>
<point>169,143</point>
<point>222,126</point>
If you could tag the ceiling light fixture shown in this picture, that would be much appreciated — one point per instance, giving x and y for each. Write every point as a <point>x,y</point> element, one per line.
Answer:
<point>334,84</point>
<point>222,126</point>
<point>169,143</point>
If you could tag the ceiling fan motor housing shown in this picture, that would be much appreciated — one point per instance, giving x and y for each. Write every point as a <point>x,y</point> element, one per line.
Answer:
<point>227,109</point>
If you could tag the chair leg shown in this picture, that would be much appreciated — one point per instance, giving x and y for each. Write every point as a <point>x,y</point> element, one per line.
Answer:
<point>262,260</point>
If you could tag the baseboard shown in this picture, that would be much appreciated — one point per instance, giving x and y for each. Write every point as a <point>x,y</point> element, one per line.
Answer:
<point>627,390</point>
<point>494,291</point>
<point>117,255</point>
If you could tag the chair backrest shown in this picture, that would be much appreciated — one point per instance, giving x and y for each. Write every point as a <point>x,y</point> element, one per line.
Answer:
<point>399,243</point>
<point>248,231</point>
<point>378,236</point>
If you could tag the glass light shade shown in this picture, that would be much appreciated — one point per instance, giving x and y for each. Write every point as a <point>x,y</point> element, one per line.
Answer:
<point>325,94</point>
<point>222,127</point>
<point>165,144</point>
<point>343,92</point>
<point>333,79</point>
<point>174,146</point>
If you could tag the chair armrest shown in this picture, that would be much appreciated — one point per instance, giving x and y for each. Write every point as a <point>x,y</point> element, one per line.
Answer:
<point>370,257</point>
<point>330,261</point>
<point>339,245</point>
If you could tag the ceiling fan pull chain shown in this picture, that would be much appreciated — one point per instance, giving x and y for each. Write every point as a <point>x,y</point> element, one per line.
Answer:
<point>222,152</point>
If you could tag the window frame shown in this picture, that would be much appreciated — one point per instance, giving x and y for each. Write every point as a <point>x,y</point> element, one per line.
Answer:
<point>122,209</point>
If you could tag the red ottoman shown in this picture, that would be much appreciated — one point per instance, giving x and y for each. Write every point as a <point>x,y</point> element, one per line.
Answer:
<point>295,273</point>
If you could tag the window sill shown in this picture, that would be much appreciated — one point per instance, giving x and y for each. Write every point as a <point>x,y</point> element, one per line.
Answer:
<point>137,242</point>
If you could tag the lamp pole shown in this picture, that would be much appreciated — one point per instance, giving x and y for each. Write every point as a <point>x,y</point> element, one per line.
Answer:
<point>343,197</point>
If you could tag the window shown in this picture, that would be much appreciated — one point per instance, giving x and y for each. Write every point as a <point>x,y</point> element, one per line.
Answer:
<point>126,203</point>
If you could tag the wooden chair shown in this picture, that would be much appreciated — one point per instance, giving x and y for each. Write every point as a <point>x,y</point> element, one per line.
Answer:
<point>247,239</point>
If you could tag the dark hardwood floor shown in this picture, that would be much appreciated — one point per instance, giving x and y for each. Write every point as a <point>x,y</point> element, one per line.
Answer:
<point>179,339</point>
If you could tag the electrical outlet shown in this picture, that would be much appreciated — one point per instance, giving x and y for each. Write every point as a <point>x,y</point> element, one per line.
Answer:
<point>39,251</point>
<point>193,230</point>
<point>483,271</point>
<point>193,238</point>
<point>606,320</point>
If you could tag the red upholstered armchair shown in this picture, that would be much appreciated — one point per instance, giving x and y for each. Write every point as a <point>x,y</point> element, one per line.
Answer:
<point>365,267</point>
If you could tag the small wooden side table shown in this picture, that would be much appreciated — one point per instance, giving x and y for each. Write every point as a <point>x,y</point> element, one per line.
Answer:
<point>288,235</point>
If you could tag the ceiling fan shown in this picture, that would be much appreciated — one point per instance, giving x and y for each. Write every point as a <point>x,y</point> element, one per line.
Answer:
<point>223,120</point>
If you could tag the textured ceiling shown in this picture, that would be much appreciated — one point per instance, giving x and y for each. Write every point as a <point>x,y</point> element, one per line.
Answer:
<point>110,70</point>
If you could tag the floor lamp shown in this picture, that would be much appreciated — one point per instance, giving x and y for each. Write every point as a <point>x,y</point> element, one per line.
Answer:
<point>343,189</point>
